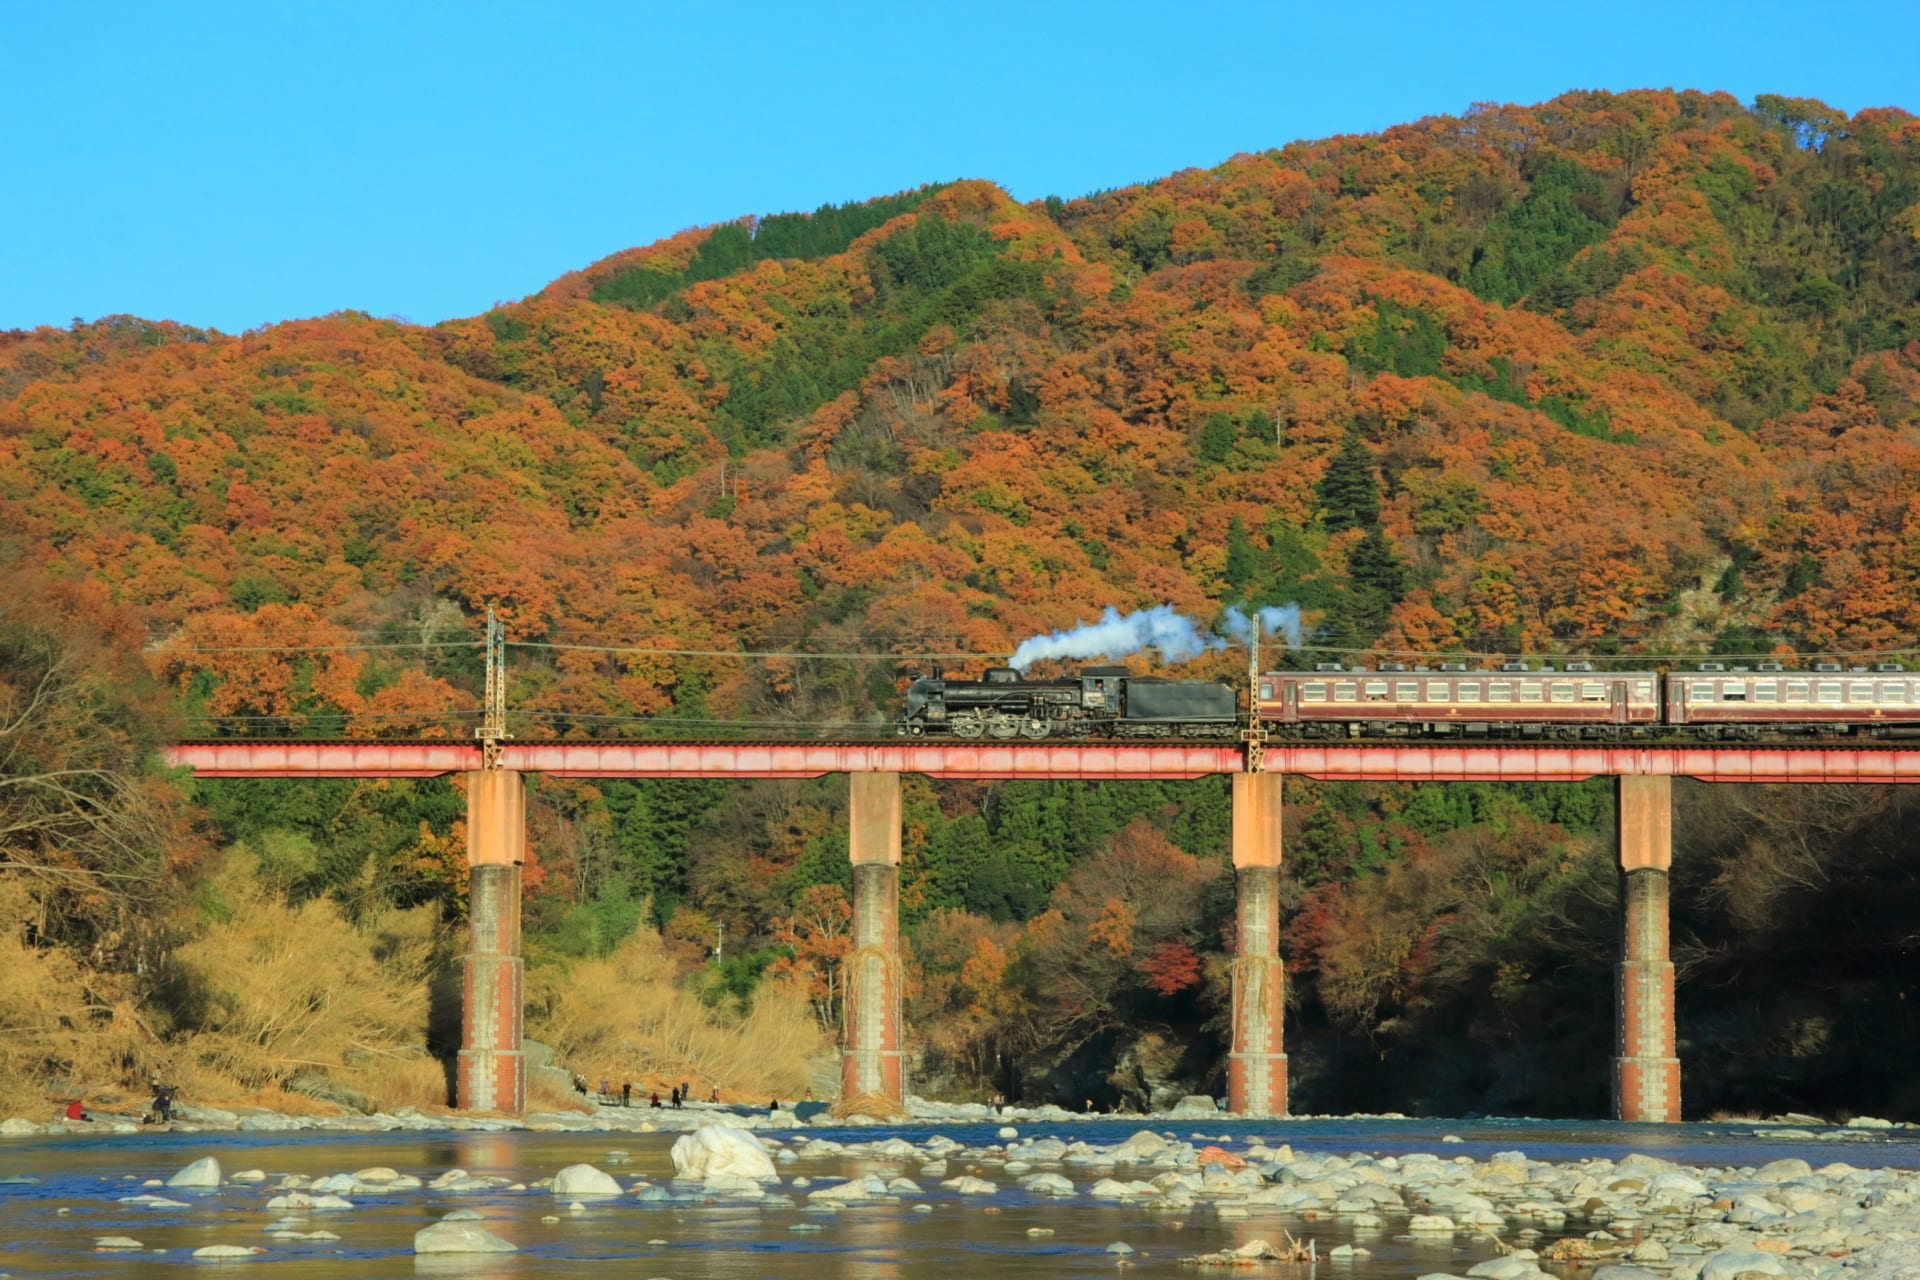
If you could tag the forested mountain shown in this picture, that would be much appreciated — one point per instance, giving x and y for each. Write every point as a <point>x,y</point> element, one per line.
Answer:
<point>1617,373</point>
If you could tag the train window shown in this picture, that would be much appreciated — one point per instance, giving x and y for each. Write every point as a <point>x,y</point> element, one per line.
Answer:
<point>1829,691</point>
<point>1562,691</point>
<point>1436,691</point>
<point>1529,691</point>
<point>1593,691</point>
<point>1500,691</point>
<point>1733,691</point>
<point>1893,691</point>
<point>1797,691</point>
<point>1266,690</point>
<point>1313,691</point>
<point>1643,691</point>
<point>1766,691</point>
<point>1376,688</point>
<point>1408,692</point>
<point>1860,691</point>
<point>1344,691</point>
<point>1701,691</point>
<point>1469,691</point>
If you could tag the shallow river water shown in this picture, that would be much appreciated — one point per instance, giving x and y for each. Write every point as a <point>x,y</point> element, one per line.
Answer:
<point>962,1236</point>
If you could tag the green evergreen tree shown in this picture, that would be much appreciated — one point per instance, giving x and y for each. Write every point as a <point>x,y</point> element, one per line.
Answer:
<point>1377,579</point>
<point>1349,491</point>
<point>1243,566</point>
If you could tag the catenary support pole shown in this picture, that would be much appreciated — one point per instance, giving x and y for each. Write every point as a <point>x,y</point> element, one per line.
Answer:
<point>492,1072</point>
<point>1646,1072</point>
<point>1256,1067</point>
<point>870,1063</point>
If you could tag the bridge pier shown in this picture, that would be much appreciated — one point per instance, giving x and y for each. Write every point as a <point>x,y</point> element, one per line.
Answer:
<point>1256,1065</point>
<point>870,1062</point>
<point>492,1070</point>
<point>1646,1072</point>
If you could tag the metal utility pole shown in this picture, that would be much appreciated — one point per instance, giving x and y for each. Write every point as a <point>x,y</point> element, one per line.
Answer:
<point>493,718</point>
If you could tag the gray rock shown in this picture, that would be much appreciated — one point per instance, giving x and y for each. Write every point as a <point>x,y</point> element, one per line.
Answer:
<point>204,1172</point>
<point>1194,1104</point>
<point>1619,1271</point>
<point>458,1237</point>
<point>1729,1263</point>
<point>1120,1247</point>
<point>584,1180</point>
<point>1782,1170</point>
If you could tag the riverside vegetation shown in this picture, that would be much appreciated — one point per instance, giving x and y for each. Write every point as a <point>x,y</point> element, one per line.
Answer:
<point>1629,374</point>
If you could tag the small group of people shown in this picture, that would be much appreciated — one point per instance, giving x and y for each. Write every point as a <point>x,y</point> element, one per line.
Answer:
<point>159,1111</point>
<point>677,1096</point>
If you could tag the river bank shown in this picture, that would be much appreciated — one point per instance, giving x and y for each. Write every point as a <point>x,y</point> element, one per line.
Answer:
<point>1372,1198</point>
<point>611,1117</point>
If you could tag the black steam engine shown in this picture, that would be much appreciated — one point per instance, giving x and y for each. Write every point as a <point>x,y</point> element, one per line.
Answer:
<point>1105,702</point>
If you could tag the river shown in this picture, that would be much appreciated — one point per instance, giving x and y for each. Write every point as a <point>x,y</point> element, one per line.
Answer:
<point>961,1236</point>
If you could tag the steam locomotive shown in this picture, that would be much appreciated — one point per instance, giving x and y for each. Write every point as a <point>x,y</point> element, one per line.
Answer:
<point>1448,701</point>
<point>1107,702</point>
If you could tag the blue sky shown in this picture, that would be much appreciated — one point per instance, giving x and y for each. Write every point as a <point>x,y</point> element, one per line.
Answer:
<point>232,165</point>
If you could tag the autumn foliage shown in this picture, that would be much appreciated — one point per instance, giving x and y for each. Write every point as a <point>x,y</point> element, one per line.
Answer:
<point>1629,374</point>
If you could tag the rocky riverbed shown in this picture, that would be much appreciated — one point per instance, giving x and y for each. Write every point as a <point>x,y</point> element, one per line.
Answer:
<point>1041,1195</point>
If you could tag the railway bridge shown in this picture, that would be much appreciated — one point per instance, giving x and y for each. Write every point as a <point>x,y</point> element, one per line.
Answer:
<point>491,1076</point>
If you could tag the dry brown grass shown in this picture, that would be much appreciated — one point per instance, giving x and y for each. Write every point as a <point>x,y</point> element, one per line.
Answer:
<point>271,991</point>
<point>625,1018</point>
<point>65,1031</point>
<point>265,992</point>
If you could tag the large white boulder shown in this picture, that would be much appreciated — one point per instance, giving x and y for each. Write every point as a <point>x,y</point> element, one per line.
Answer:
<point>204,1172</point>
<point>458,1237</point>
<point>714,1149</point>
<point>584,1180</point>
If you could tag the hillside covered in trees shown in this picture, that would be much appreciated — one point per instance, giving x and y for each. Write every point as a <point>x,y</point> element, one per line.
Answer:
<point>1632,375</point>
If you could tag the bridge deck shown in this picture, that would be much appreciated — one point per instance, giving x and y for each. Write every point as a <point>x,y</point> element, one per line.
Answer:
<point>1386,762</point>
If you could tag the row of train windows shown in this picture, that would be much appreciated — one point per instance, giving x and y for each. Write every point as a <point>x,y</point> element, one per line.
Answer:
<point>1564,691</point>
<point>1834,692</point>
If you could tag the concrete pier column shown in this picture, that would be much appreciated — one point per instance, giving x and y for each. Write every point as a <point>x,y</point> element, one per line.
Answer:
<point>1256,1066</point>
<point>1646,1070</point>
<point>492,1072</point>
<point>870,1063</point>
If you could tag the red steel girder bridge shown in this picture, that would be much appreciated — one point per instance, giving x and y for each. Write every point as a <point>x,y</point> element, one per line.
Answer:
<point>1646,1075</point>
<point>1377,762</point>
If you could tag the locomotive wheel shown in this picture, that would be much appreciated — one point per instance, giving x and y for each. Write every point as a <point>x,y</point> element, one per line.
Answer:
<point>969,728</point>
<point>1035,729</point>
<point>1005,727</point>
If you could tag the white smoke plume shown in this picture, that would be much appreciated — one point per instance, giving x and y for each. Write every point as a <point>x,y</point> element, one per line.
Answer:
<point>1282,621</point>
<point>1176,636</point>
